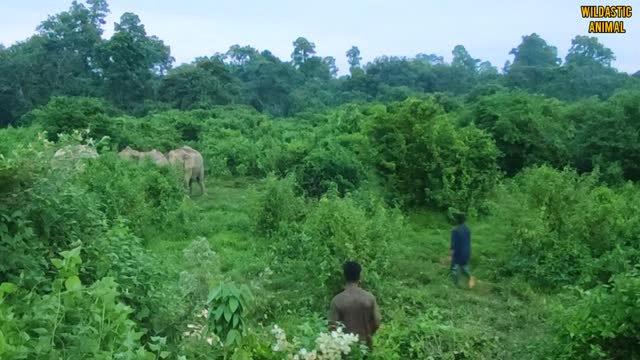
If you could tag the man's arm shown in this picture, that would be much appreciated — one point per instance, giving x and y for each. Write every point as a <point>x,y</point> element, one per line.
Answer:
<point>334,315</point>
<point>453,244</point>
<point>377,319</point>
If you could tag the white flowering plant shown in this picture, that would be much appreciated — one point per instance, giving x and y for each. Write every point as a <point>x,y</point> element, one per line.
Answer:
<point>333,345</point>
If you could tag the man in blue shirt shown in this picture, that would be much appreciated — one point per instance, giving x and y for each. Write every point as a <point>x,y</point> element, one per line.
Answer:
<point>461,250</point>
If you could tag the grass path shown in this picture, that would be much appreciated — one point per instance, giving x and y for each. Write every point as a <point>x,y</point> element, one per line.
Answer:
<point>509,311</point>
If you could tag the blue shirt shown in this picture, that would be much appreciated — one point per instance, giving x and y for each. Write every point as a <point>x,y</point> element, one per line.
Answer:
<point>461,244</point>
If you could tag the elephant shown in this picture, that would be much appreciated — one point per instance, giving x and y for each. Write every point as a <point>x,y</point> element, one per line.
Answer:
<point>156,156</point>
<point>129,154</point>
<point>70,154</point>
<point>192,163</point>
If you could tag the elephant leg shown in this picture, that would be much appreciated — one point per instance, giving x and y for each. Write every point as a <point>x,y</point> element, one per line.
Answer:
<point>187,180</point>
<point>201,182</point>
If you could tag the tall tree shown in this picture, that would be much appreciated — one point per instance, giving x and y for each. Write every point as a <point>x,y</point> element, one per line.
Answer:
<point>431,59</point>
<point>303,49</point>
<point>534,51</point>
<point>239,55</point>
<point>587,50</point>
<point>462,59</point>
<point>130,60</point>
<point>98,10</point>
<point>330,63</point>
<point>534,65</point>
<point>353,57</point>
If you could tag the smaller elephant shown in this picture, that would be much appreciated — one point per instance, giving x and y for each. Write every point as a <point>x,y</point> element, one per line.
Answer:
<point>156,156</point>
<point>71,154</point>
<point>192,163</point>
<point>129,154</point>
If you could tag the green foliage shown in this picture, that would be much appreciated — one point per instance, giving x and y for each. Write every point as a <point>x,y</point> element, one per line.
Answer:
<point>607,133</point>
<point>120,255</point>
<point>438,139</point>
<point>74,321</point>
<point>602,324</point>
<point>528,129</point>
<point>432,336</point>
<point>200,272</point>
<point>327,166</point>
<point>566,228</point>
<point>336,230</point>
<point>278,204</point>
<point>41,211</point>
<point>426,160</point>
<point>145,195</point>
<point>151,132</point>
<point>66,114</point>
<point>229,309</point>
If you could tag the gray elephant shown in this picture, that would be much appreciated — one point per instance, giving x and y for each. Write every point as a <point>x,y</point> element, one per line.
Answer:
<point>192,163</point>
<point>156,156</point>
<point>129,154</point>
<point>71,154</point>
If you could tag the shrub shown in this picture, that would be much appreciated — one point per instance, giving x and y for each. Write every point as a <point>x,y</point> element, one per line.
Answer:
<point>42,212</point>
<point>151,132</point>
<point>330,165</point>
<point>202,268</point>
<point>424,159</point>
<point>277,204</point>
<point>566,228</point>
<point>65,114</point>
<point>74,321</point>
<point>334,231</point>
<point>229,151</point>
<point>228,311</point>
<point>528,129</point>
<point>142,278</point>
<point>431,336</point>
<point>603,324</point>
<point>145,195</point>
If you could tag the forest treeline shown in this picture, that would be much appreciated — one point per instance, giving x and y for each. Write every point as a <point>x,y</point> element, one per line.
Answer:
<point>134,71</point>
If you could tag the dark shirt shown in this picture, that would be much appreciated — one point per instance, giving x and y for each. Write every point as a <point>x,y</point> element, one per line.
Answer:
<point>461,244</point>
<point>358,311</point>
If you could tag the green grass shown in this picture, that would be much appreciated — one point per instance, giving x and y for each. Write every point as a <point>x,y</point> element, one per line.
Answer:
<point>418,279</point>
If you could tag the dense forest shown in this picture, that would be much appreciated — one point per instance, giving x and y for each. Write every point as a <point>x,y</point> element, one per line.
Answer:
<point>104,258</point>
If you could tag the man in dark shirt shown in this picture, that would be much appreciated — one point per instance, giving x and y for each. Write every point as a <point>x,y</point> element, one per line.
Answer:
<point>356,308</point>
<point>461,250</point>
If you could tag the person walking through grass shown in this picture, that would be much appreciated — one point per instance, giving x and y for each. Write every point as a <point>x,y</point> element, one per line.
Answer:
<point>355,308</point>
<point>460,250</point>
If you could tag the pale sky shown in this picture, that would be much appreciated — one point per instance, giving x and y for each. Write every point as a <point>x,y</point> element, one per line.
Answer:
<point>489,29</point>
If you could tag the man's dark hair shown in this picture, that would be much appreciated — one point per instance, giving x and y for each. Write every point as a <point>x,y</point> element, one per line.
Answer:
<point>352,271</point>
<point>460,218</point>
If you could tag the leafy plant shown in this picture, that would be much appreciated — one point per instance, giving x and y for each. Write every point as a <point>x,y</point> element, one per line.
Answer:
<point>229,309</point>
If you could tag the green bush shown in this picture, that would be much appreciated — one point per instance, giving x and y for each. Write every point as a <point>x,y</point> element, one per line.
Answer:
<point>424,159</point>
<point>42,212</point>
<point>330,165</point>
<point>144,134</point>
<point>432,336</point>
<point>603,324</point>
<point>65,114</point>
<point>607,133</point>
<point>277,204</point>
<point>528,129</point>
<point>147,196</point>
<point>73,321</point>
<point>334,231</point>
<point>142,278</point>
<point>566,228</point>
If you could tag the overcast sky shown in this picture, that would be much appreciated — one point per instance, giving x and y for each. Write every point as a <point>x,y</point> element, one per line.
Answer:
<point>489,29</point>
